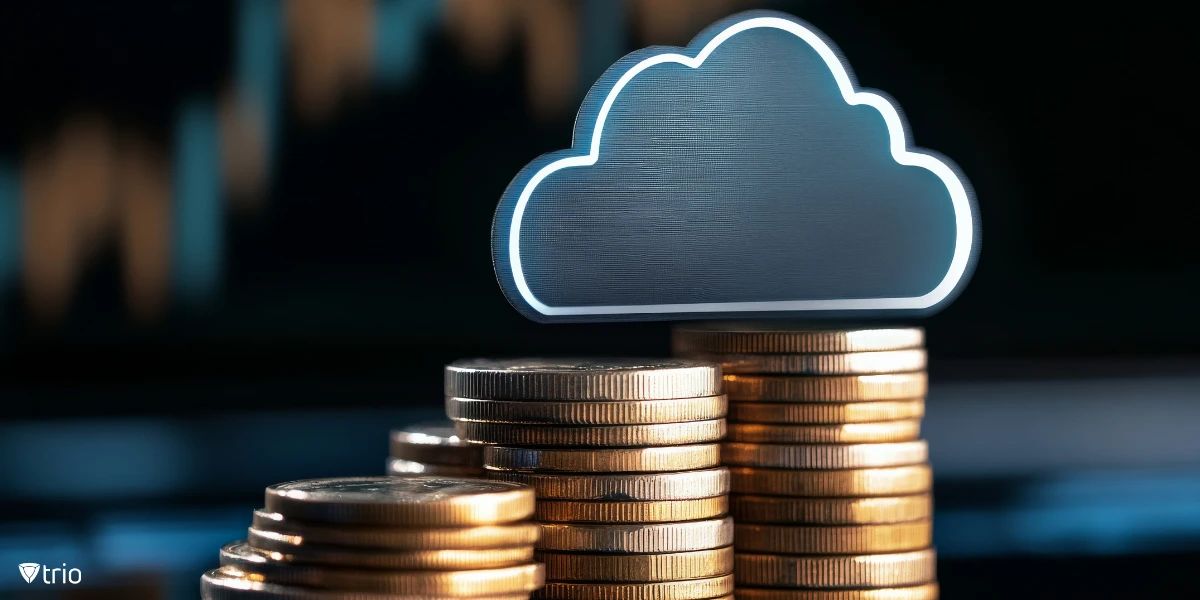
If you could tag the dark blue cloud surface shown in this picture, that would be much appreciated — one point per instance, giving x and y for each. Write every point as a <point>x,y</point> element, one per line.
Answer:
<point>748,179</point>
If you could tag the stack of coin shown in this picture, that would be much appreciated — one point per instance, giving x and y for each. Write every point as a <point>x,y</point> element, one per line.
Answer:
<point>624,456</point>
<point>384,538</point>
<point>831,485</point>
<point>433,449</point>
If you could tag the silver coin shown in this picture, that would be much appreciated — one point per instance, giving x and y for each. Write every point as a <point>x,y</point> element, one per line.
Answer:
<point>582,379</point>
<point>434,443</point>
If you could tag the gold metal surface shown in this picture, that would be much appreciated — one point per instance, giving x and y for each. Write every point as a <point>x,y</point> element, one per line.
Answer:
<point>672,566</point>
<point>694,589</point>
<point>603,412</point>
<point>890,481</point>
<point>815,571</point>
<point>627,436</point>
<point>297,550</point>
<point>631,512</point>
<point>616,460</point>
<point>845,433</point>
<point>826,412</point>
<point>639,538</point>
<point>825,456</point>
<point>851,363</point>
<point>399,538</point>
<point>789,338</point>
<point>631,487</point>
<point>406,468</point>
<point>830,511</point>
<point>229,584</point>
<point>434,443</point>
<point>833,539</point>
<point>582,379</point>
<point>852,388</point>
<point>927,591</point>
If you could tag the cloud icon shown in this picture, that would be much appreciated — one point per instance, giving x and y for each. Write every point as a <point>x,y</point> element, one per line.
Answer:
<point>745,175</point>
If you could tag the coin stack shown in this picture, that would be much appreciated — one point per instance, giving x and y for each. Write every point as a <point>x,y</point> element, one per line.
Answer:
<point>433,449</point>
<point>831,484</point>
<point>384,538</point>
<point>624,457</point>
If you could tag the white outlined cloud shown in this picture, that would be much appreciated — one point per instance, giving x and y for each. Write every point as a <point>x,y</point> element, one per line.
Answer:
<point>964,218</point>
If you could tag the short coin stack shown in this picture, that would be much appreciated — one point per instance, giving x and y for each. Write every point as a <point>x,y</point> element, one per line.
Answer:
<point>831,484</point>
<point>384,538</point>
<point>624,457</point>
<point>433,449</point>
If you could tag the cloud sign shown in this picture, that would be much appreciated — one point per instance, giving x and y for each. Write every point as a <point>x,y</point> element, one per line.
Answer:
<point>743,176</point>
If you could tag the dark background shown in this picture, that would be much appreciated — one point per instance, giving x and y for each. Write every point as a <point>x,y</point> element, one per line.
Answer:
<point>362,265</point>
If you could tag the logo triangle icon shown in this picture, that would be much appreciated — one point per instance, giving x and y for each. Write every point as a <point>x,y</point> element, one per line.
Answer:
<point>29,571</point>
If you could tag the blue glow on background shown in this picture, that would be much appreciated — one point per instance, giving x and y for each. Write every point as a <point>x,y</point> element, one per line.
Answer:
<point>198,209</point>
<point>181,540</point>
<point>10,224</point>
<point>259,71</point>
<point>400,27</point>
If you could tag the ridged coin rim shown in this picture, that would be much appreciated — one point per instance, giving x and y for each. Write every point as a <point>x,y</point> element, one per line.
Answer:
<point>582,379</point>
<point>401,467</point>
<point>604,460</point>
<point>830,511</point>
<point>695,589</point>
<point>824,456</point>
<point>627,436</point>
<point>670,566</point>
<point>850,363</point>
<point>928,591</point>
<point>582,412</point>
<point>759,538</point>
<point>402,538</point>
<point>776,338</point>
<point>440,508</point>
<point>229,584</point>
<point>638,538</point>
<point>805,413</point>
<point>433,443</point>
<point>826,388</point>
<point>585,511</point>
<point>886,481</point>
<point>630,487</point>
<point>815,571</point>
<point>905,430</point>
<point>299,551</point>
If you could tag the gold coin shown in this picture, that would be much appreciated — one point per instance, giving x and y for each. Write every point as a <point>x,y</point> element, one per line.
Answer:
<point>272,568</point>
<point>928,591</point>
<point>890,481</point>
<point>855,571</point>
<point>694,589</point>
<point>825,456</point>
<point>851,388</point>
<point>583,379</point>
<point>851,363</point>
<point>637,567</point>
<point>631,512</point>
<point>596,460</point>
<point>831,511</point>
<point>578,412</point>
<point>295,549</point>
<point>405,468</point>
<point>230,584</point>
<point>425,501</point>
<point>661,434</point>
<point>434,443</point>
<point>826,412</point>
<point>640,538</point>
<point>396,538</point>
<point>631,487</point>
<point>846,433</point>
<point>833,539</point>
<point>785,338</point>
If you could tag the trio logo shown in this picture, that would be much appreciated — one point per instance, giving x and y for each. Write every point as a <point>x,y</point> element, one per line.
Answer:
<point>29,571</point>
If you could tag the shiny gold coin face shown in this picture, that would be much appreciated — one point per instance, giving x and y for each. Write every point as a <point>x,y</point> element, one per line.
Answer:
<point>402,538</point>
<point>833,539</point>
<point>582,412</point>
<point>843,388</point>
<point>845,433</point>
<point>626,436</point>
<point>640,538</point>
<point>400,501</point>
<point>831,511</point>
<point>811,413</point>
<point>229,584</point>
<point>295,549</point>
<point>582,379</point>
<point>851,363</point>
<point>631,512</point>
<point>625,487</point>
<point>888,481</point>
<point>406,468</point>
<point>694,589</point>
<point>271,567</point>
<point>824,456</point>
<point>791,338</point>
<point>434,443</point>
<point>927,591</point>
<point>833,571</point>
<point>600,460</point>
<point>637,567</point>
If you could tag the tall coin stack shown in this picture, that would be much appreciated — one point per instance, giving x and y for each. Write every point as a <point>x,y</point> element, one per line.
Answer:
<point>384,538</point>
<point>624,457</point>
<point>433,449</point>
<point>831,484</point>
